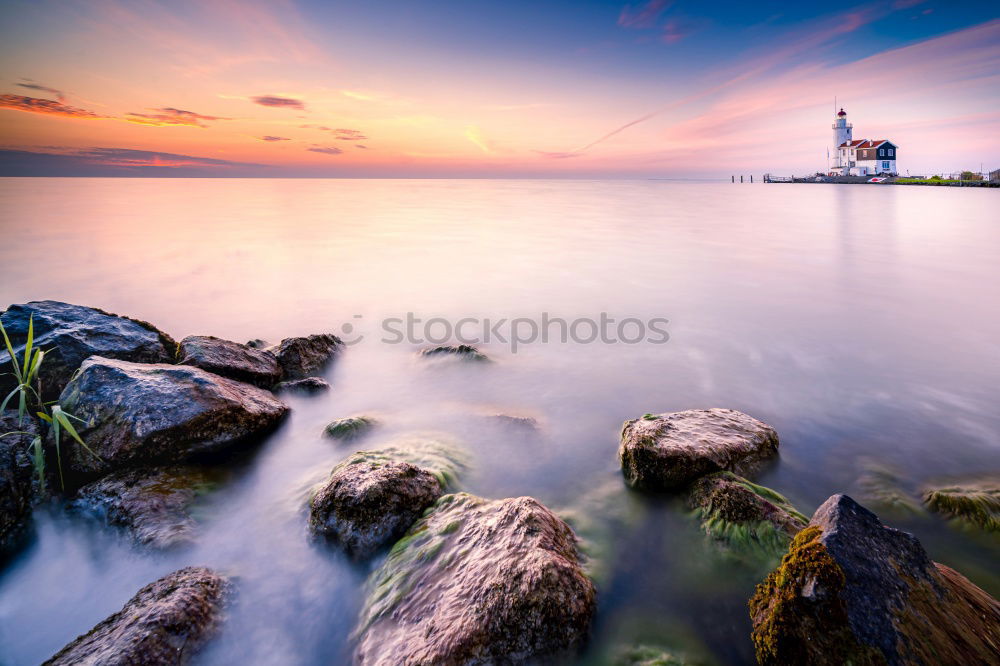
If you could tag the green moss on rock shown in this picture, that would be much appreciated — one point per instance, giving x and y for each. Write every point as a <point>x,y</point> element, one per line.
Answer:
<point>972,503</point>
<point>350,428</point>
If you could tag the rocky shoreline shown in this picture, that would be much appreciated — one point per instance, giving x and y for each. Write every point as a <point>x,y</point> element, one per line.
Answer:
<point>457,578</point>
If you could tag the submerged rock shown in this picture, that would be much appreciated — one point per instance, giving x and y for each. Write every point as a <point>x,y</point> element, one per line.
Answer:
<point>302,357</point>
<point>350,428</point>
<point>974,502</point>
<point>881,488</point>
<point>164,624</point>
<point>230,359</point>
<point>307,386</point>
<point>745,518</point>
<point>17,484</point>
<point>69,334</point>
<point>463,352</point>
<point>647,655</point>
<point>513,422</point>
<point>152,504</point>
<point>478,581</point>
<point>151,414</point>
<point>851,590</point>
<point>667,451</point>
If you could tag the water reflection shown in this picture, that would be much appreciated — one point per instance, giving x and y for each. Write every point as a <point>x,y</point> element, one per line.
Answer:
<point>857,320</point>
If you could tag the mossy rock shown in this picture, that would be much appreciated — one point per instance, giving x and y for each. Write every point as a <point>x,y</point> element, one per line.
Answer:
<point>852,591</point>
<point>372,497</point>
<point>971,503</point>
<point>477,581</point>
<point>666,452</point>
<point>350,428</point>
<point>747,520</point>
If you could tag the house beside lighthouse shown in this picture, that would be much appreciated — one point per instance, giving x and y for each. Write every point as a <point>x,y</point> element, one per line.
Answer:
<point>860,157</point>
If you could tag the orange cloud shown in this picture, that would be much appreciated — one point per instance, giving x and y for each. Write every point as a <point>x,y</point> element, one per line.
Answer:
<point>46,106</point>
<point>168,116</point>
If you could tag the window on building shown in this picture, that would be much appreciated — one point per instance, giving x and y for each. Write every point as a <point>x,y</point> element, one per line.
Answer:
<point>881,152</point>
<point>890,152</point>
<point>885,165</point>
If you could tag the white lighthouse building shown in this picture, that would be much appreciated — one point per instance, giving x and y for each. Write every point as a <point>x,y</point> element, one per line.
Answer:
<point>860,157</point>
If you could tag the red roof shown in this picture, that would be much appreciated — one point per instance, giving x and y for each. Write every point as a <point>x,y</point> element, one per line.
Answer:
<point>863,143</point>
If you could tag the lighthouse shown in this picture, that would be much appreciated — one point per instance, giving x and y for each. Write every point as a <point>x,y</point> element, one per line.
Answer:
<point>842,133</point>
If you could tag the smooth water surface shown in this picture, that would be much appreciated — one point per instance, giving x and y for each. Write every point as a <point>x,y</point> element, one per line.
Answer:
<point>861,321</point>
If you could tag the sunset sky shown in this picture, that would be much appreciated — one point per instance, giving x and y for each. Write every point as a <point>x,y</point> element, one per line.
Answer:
<point>480,89</point>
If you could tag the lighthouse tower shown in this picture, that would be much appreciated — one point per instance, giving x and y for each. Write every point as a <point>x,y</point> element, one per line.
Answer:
<point>842,131</point>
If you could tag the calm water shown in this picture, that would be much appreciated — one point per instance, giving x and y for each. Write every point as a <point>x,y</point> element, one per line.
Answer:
<point>862,322</point>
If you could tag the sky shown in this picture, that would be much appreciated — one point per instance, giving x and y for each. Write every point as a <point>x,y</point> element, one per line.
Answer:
<point>469,88</point>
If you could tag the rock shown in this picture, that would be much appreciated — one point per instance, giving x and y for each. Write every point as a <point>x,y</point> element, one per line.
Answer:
<point>257,343</point>
<point>308,386</point>
<point>152,504</point>
<point>372,497</point>
<point>71,333</point>
<point>661,452</point>
<point>521,423</point>
<point>142,415</point>
<point>350,428</point>
<point>164,624</point>
<point>302,357</point>
<point>851,590</point>
<point>370,500</point>
<point>974,502</point>
<point>463,352</point>
<point>647,655</point>
<point>746,519</point>
<point>17,484</point>
<point>230,359</point>
<point>478,581</point>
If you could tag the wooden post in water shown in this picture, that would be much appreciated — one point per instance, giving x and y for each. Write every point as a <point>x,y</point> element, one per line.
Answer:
<point>751,178</point>
<point>741,178</point>
<point>733,178</point>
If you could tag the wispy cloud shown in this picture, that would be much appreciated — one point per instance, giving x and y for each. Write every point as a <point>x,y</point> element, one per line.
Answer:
<point>168,116</point>
<point>473,134</point>
<point>363,96</point>
<point>280,102</point>
<point>556,155</point>
<point>32,85</point>
<point>46,106</point>
<point>274,138</point>
<point>349,135</point>
<point>645,15</point>
<point>326,150</point>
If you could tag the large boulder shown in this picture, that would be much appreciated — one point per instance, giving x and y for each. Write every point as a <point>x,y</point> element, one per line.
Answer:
<point>301,357</point>
<point>17,486</point>
<point>851,590</point>
<point>745,519</point>
<point>661,452</point>
<point>478,581</point>
<point>164,624</point>
<point>141,415</point>
<point>69,334</point>
<point>373,497</point>
<point>153,505</point>
<point>230,359</point>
